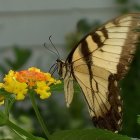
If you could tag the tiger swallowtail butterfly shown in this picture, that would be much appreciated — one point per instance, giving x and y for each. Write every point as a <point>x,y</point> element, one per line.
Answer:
<point>97,63</point>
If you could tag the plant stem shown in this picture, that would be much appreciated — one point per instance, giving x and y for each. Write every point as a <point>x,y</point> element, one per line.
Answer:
<point>6,108</point>
<point>17,134</point>
<point>39,117</point>
<point>19,130</point>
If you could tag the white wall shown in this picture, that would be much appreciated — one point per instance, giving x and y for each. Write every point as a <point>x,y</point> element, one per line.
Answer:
<point>31,22</point>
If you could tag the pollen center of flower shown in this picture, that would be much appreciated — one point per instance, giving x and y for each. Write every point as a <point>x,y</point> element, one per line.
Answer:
<point>30,77</point>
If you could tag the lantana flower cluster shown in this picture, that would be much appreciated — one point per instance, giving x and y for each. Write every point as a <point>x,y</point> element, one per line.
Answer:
<point>19,83</point>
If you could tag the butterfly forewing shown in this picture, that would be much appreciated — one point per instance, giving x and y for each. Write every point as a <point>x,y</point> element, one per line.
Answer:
<point>99,61</point>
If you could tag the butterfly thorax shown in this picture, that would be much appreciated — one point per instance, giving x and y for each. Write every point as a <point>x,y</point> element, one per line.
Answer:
<point>62,68</point>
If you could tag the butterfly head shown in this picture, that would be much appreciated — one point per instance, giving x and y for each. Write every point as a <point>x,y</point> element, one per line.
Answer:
<point>61,67</point>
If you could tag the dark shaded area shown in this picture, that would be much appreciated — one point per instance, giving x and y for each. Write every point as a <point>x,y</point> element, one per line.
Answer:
<point>131,98</point>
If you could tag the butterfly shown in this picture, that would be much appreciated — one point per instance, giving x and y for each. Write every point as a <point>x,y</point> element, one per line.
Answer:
<point>97,63</point>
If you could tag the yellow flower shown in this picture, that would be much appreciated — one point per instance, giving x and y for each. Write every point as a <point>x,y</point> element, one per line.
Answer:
<point>57,82</point>
<point>43,90</point>
<point>12,86</point>
<point>1,85</point>
<point>18,83</point>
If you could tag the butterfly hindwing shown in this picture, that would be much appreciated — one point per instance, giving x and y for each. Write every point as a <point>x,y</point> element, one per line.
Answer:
<point>98,62</point>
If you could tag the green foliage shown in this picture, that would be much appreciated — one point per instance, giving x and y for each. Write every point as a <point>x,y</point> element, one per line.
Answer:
<point>8,101</point>
<point>136,7</point>
<point>60,117</point>
<point>122,1</point>
<point>82,28</point>
<point>128,6</point>
<point>3,118</point>
<point>21,57</point>
<point>138,119</point>
<point>131,97</point>
<point>5,133</point>
<point>87,134</point>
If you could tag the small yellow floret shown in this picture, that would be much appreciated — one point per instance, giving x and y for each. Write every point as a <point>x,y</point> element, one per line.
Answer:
<point>57,82</point>
<point>1,85</point>
<point>45,95</point>
<point>42,89</point>
<point>20,96</point>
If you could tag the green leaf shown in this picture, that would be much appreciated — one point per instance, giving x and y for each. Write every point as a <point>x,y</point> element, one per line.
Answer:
<point>37,138</point>
<point>122,1</point>
<point>6,94</point>
<point>21,56</point>
<point>3,119</point>
<point>3,69</point>
<point>8,101</point>
<point>87,134</point>
<point>58,88</point>
<point>138,119</point>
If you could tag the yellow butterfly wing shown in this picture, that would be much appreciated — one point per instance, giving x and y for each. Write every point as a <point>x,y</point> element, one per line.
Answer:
<point>98,62</point>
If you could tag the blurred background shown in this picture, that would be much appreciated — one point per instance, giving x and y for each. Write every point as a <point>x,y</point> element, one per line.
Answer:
<point>26,25</point>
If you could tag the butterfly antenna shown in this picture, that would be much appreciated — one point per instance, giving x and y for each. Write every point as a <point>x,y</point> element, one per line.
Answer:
<point>54,46</point>
<point>51,67</point>
<point>55,68</point>
<point>45,46</point>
